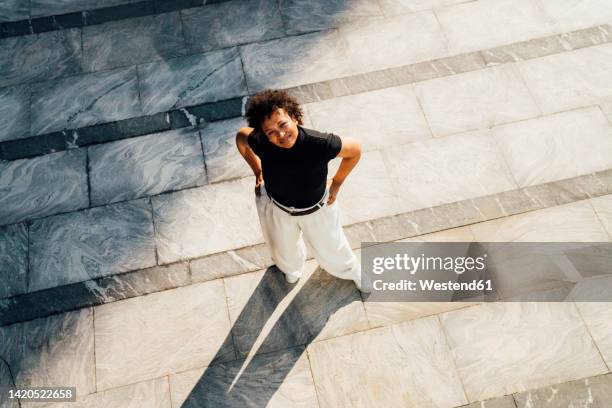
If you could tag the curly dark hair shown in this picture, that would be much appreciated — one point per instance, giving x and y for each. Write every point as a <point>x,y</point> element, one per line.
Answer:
<point>264,103</point>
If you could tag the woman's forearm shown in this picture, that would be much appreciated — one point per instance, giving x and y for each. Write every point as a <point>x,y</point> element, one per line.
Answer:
<point>249,156</point>
<point>346,166</point>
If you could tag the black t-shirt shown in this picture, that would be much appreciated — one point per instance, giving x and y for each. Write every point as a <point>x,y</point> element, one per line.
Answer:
<point>296,177</point>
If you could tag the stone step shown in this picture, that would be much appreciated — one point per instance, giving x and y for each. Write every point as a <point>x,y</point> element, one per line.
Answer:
<point>175,162</point>
<point>213,340</point>
<point>19,18</point>
<point>93,277</point>
<point>509,118</point>
<point>191,90</point>
<point>184,225</point>
<point>145,40</point>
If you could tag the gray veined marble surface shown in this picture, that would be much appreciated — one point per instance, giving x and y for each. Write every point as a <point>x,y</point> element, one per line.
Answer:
<point>475,100</point>
<point>223,161</point>
<point>13,259</point>
<point>167,332</point>
<point>132,41</point>
<point>191,80</point>
<point>205,220</point>
<point>229,23</point>
<point>14,10</point>
<point>84,100</point>
<point>39,57</point>
<point>274,380</point>
<point>588,392</point>
<point>146,394</point>
<point>570,143</point>
<point>403,365</point>
<point>536,344</point>
<point>53,351</point>
<point>307,15</point>
<point>268,314</point>
<point>272,64</point>
<point>42,8</point>
<point>15,112</point>
<point>147,165</point>
<point>502,402</point>
<point>88,244</point>
<point>42,186</point>
<point>570,80</point>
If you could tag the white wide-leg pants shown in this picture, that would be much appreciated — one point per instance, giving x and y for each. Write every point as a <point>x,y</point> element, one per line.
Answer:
<point>323,232</point>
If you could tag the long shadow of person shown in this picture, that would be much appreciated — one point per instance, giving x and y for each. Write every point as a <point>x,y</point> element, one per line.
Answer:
<point>251,381</point>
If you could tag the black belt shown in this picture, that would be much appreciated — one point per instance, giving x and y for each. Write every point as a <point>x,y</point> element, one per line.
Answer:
<point>316,207</point>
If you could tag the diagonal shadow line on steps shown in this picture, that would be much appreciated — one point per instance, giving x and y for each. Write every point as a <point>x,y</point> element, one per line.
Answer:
<point>269,350</point>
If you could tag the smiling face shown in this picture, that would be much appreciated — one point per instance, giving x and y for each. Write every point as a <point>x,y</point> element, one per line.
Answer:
<point>281,129</point>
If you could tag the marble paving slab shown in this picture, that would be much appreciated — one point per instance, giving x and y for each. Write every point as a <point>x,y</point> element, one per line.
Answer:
<point>147,394</point>
<point>39,57</point>
<point>596,314</point>
<point>394,7</point>
<point>206,220</point>
<point>166,332</point>
<point>13,259</point>
<point>223,161</point>
<point>269,314</point>
<point>46,185</point>
<point>603,209</point>
<point>568,15</point>
<point>394,117</point>
<point>15,112</point>
<point>573,222</point>
<point>42,8</point>
<point>380,42</point>
<point>54,351</point>
<point>275,380</point>
<point>557,146</point>
<point>132,41</point>
<point>368,192</point>
<point>89,244</point>
<point>386,313</point>
<point>230,263</point>
<point>570,80</point>
<point>84,100</point>
<point>444,170</point>
<point>501,402</point>
<point>522,345</point>
<point>14,10</point>
<point>408,364</point>
<point>191,80</point>
<point>475,100</point>
<point>474,25</point>
<point>302,16</point>
<point>147,165</point>
<point>266,64</point>
<point>93,292</point>
<point>588,392</point>
<point>230,23</point>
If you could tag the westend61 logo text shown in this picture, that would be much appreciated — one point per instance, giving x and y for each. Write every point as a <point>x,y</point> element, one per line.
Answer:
<point>428,263</point>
